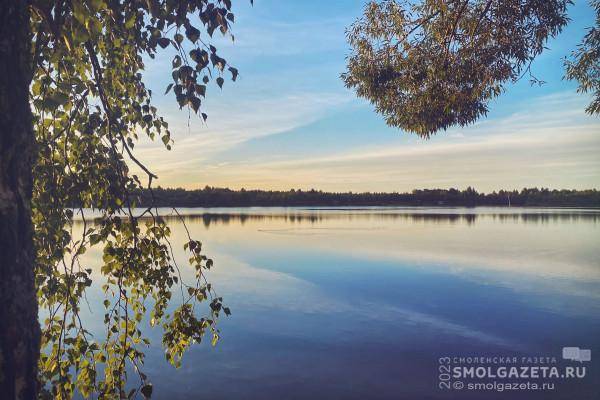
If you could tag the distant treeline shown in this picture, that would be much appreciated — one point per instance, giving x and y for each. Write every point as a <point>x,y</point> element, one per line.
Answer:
<point>219,197</point>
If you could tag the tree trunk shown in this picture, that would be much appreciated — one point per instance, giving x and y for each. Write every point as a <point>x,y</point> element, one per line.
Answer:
<point>19,327</point>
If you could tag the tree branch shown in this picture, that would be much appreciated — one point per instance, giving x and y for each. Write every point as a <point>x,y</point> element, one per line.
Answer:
<point>98,74</point>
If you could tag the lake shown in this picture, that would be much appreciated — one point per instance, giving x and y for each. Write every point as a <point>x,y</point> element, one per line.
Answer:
<point>379,303</point>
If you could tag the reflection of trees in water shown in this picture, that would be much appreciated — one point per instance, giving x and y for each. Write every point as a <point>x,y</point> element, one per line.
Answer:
<point>208,219</point>
<point>224,219</point>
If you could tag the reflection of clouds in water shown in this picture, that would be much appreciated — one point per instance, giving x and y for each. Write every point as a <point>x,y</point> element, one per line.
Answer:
<point>553,245</point>
<point>251,288</point>
<point>459,262</point>
<point>548,257</point>
<point>294,232</point>
<point>445,326</point>
<point>568,297</point>
<point>507,247</point>
<point>311,231</point>
<point>256,287</point>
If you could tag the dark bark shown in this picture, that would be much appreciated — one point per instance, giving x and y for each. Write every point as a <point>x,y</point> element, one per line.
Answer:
<point>19,327</point>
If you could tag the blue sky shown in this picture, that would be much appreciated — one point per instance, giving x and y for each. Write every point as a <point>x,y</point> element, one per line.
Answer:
<point>288,122</point>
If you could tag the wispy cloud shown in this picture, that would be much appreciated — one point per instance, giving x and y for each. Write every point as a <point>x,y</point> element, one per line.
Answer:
<point>283,39</point>
<point>227,126</point>
<point>281,86</point>
<point>548,143</point>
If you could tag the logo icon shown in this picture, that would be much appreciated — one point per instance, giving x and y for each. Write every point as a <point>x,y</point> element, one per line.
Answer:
<point>576,354</point>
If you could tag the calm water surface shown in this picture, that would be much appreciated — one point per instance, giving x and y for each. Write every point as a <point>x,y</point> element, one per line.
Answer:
<point>362,303</point>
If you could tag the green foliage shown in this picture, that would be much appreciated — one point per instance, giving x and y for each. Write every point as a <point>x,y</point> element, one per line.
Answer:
<point>584,66</point>
<point>431,64</point>
<point>90,105</point>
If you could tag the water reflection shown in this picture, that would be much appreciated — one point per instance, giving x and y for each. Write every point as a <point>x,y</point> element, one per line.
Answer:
<point>314,216</point>
<point>360,303</point>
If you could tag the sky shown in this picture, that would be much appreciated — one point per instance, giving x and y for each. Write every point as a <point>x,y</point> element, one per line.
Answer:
<point>289,122</point>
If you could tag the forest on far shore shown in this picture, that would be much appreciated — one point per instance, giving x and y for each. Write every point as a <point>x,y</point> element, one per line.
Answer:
<point>223,197</point>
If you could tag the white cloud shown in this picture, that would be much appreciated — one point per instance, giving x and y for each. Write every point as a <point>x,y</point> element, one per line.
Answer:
<point>550,142</point>
<point>230,125</point>
<point>284,39</point>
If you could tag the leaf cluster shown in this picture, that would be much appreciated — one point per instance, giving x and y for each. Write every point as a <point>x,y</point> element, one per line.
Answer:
<point>432,64</point>
<point>584,63</point>
<point>90,106</point>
